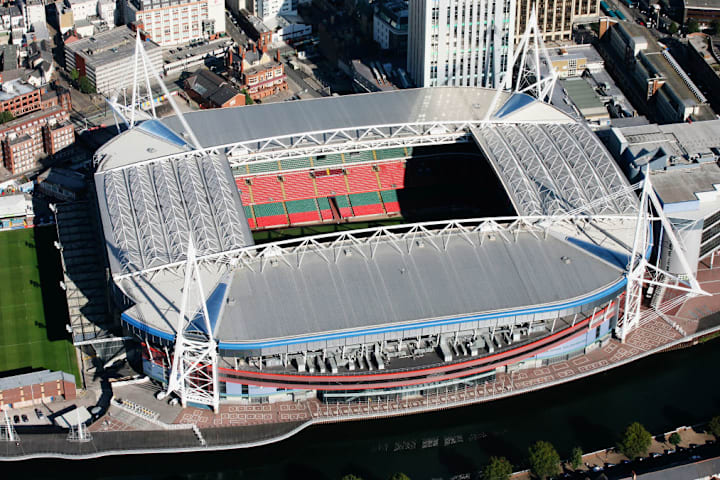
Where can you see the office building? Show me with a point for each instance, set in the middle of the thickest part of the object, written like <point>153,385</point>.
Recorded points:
<point>459,43</point>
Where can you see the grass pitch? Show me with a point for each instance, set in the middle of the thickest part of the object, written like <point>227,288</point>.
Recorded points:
<point>33,309</point>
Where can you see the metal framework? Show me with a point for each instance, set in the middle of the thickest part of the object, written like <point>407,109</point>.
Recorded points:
<point>641,273</point>
<point>552,168</point>
<point>7,430</point>
<point>79,433</point>
<point>536,75</point>
<point>194,375</point>
<point>404,237</point>
<point>154,208</point>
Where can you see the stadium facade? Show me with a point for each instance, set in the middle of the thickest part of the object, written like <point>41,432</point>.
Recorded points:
<point>380,312</point>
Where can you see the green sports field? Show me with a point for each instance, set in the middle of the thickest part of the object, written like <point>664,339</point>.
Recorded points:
<point>33,309</point>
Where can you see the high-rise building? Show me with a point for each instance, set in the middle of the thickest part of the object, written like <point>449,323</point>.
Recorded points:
<point>459,42</point>
<point>556,17</point>
<point>177,22</point>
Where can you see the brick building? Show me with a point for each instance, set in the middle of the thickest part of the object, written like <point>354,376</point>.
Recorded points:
<point>34,388</point>
<point>28,138</point>
<point>21,98</point>
<point>259,74</point>
<point>212,91</point>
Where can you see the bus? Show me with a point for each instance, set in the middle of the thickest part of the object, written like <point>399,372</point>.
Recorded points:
<point>620,15</point>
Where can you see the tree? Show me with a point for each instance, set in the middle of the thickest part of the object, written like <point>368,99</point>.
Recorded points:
<point>6,116</point>
<point>86,85</point>
<point>350,476</point>
<point>576,458</point>
<point>499,468</point>
<point>675,439</point>
<point>636,441</point>
<point>714,426</point>
<point>399,476</point>
<point>693,26</point>
<point>673,28</point>
<point>74,75</point>
<point>544,460</point>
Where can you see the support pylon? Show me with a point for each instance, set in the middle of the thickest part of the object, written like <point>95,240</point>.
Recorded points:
<point>194,374</point>
<point>7,430</point>
<point>536,75</point>
<point>640,272</point>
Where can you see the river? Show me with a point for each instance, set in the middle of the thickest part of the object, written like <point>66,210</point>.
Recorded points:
<point>662,392</point>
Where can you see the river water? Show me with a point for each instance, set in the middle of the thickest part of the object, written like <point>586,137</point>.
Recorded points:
<point>662,392</point>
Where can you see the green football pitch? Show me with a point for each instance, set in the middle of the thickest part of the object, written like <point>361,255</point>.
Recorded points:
<point>33,310</point>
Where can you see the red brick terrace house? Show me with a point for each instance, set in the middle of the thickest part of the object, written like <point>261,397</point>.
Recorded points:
<point>34,388</point>
<point>212,91</point>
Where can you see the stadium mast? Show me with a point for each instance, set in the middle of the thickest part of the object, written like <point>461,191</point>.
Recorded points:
<point>194,374</point>
<point>535,73</point>
<point>642,273</point>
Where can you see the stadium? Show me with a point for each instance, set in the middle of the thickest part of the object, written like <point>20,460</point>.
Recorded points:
<point>534,277</point>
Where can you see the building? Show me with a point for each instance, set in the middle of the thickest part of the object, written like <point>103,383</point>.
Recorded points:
<point>19,98</point>
<point>189,58</point>
<point>27,139</point>
<point>288,29</point>
<point>683,161</point>
<point>556,17</point>
<point>34,12</point>
<point>177,22</point>
<point>61,184</point>
<point>586,100</point>
<point>704,61</point>
<point>267,9</point>
<point>390,25</point>
<point>212,91</point>
<point>259,74</point>
<point>653,78</point>
<point>64,18</point>
<point>366,80</point>
<point>107,59</point>
<point>704,11</point>
<point>12,24</point>
<point>397,311</point>
<point>35,388</point>
<point>107,11</point>
<point>463,43</point>
<point>82,9</point>
<point>16,211</point>
<point>572,61</point>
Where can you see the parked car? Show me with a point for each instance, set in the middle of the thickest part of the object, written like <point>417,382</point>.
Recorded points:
<point>39,414</point>
<point>656,455</point>
<point>16,419</point>
<point>695,458</point>
<point>24,418</point>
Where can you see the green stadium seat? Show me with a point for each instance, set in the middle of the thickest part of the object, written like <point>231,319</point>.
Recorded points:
<point>264,166</point>
<point>295,163</point>
<point>364,156</point>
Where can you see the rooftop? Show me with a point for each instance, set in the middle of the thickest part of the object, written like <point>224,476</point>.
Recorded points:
<point>109,46</point>
<point>33,378</point>
<point>211,87</point>
<point>702,4</point>
<point>584,97</point>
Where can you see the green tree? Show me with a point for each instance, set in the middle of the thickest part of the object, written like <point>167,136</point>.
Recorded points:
<point>86,85</point>
<point>248,98</point>
<point>576,458</point>
<point>673,28</point>
<point>635,442</point>
<point>714,426</point>
<point>675,439</point>
<point>399,476</point>
<point>6,116</point>
<point>693,26</point>
<point>350,476</point>
<point>544,459</point>
<point>499,468</point>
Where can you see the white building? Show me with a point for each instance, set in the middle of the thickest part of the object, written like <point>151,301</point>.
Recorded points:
<point>82,9</point>
<point>106,9</point>
<point>459,42</point>
<point>34,12</point>
<point>288,29</point>
<point>267,9</point>
<point>177,22</point>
